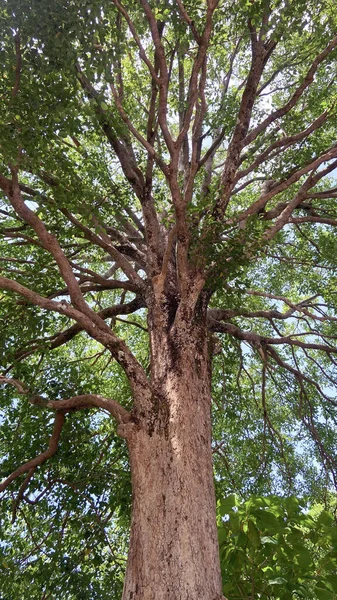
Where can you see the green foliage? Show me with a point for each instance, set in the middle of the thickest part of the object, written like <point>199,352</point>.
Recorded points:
<point>274,547</point>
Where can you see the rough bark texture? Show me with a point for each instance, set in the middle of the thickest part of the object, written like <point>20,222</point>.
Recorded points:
<point>174,548</point>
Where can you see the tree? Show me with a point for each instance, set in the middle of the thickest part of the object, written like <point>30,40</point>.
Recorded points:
<point>174,162</point>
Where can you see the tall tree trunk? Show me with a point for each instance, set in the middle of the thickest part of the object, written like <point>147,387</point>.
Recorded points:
<point>173,551</point>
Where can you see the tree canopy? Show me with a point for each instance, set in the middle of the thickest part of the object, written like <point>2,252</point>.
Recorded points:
<point>144,143</point>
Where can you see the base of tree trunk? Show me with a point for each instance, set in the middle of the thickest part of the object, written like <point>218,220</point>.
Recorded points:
<point>174,552</point>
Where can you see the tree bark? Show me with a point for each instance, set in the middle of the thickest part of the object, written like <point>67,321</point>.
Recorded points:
<point>173,551</point>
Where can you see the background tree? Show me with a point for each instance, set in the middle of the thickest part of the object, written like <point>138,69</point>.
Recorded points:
<point>168,210</point>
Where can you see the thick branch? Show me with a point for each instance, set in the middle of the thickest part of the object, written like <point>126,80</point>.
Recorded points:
<point>296,95</point>
<point>123,153</point>
<point>223,315</point>
<point>51,244</point>
<point>62,407</point>
<point>143,141</point>
<point>48,241</point>
<point>264,198</point>
<point>62,308</point>
<point>208,157</point>
<point>284,142</point>
<point>85,401</point>
<point>119,350</point>
<point>311,181</point>
<point>260,340</point>
<point>198,64</point>
<point>156,31</point>
<point>104,242</point>
<point>259,59</point>
<point>136,37</point>
<point>41,458</point>
<point>74,403</point>
<point>65,336</point>
<point>188,21</point>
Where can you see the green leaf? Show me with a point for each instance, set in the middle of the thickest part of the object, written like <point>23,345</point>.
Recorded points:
<point>303,557</point>
<point>267,521</point>
<point>277,581</point>
<point>227,504</point>
<point>265,539</point>
<point>253,534</point>
<point>323,594</point>
<point>325,518</point>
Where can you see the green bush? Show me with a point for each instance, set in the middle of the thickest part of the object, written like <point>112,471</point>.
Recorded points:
<point>277,549</point>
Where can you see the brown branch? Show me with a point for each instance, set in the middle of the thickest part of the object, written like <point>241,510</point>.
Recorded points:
<point>264,198</point>
<point>159,280</point>
<point>133,174</point>
<point>200,112</point>
<point>313,219</point>
<point>62,407</point>
<point>82,313</point>
<point>6,185</point>
<point>72,404</point>
<point>101,239</point>
<point>156,30</point>
<point>258,339</point>
<point>300,307</point>
<point>41,458</point>
<point>195,91</point>
<point>136,37</point>
<point>124,154</point>
<point>152,130</point>
<point>130,230</point>
<point>264,347</point>
<point>105,337</point>
<point>96,284</point>
<point>332,193</point>
<point>282,143</point>
<point>85,401</point>
<point>104,242</point>
<point>220,133</point>
<point>295,97</point>
<point>48,241</point>
<point>259,59</point>
<point>311,181</point>
<point>15,382</point>
<point>188,21</point>
<point>65,336</point>
<point>51,244</point>
<point>251,292</point>
<point>199,66</point>
<point>21,492</point>
<point>139,383</point>
<point>141,139</point>
<point>223,315</point>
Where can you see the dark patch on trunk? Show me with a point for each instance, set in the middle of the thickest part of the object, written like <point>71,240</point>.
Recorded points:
<point>175,356</point>
<point>172,304</point>
<point>201,307</point>
<point>158,419</point>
